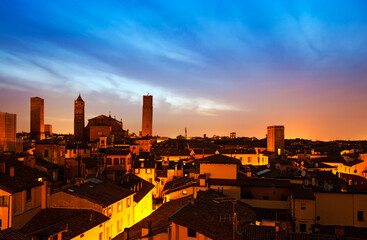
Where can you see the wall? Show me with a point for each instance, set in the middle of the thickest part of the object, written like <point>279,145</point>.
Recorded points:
<point>341,209</point>
<point>304,216</point>
<point>221,171</point>
<point>180,233</point>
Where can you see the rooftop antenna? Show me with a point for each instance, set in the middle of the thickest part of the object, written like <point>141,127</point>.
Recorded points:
<point>185,132</point>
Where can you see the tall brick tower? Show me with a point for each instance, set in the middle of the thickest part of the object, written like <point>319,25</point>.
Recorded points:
<point>79,118</point>
<point>147,125</point>
<point>275,139</point>
<point>37,119</point>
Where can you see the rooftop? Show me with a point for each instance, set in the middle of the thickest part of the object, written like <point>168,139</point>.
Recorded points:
<point>219,159</point>
<point>103,193</point>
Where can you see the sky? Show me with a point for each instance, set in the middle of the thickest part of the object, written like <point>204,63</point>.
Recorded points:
<point>213,67</point>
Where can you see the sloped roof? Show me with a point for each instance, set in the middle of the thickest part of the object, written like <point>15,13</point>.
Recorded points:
<point>209,215</point>
<point>24,177</point>
<point>158,219</point>
<point>77,221</point>
<point>103,193</point>
<point>219,159</point>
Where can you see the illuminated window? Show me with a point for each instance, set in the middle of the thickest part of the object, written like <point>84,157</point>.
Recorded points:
<point>148,170</point>
<point>119,207</point>
<point>279,151</point>
<point>100,236</point>
<point>108,161</point>
<point>184,192</point>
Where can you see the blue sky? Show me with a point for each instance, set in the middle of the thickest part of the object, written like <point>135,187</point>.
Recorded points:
<point>212,66</point>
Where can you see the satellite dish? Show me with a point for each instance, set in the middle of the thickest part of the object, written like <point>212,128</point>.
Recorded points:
<point>268,165</point>
<point>303,174</point>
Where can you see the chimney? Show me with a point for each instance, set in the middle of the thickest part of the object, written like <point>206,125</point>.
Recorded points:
<point>146,229</point>
<point>91,217</point>
<point>11,171</point>
<point>126,234</point>
<point>192,201</point>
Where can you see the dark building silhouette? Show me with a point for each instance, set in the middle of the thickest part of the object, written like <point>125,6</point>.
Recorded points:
<point>37,119</point>
<point>147,126</point>
<point>79,118</point>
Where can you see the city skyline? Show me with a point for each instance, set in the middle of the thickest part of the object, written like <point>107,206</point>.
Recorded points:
<point>212,69</point>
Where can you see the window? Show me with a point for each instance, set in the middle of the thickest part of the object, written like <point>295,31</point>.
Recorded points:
<point>29,195</point>
<point>249,159</point>
<point>128,202</point>
<point>0,224</point>
<point>191,232</point>
<point>74,151</point>
<point>258,159</point>
<point>118,226</point>
<point>116,161</point>
<point>46,153</point>
<point>302,227</point>
<point>100,236</point>
<point>303,206</point>
<point>3,201</point>
<point>108,161</point>
<point>137,171</point>
<point>122,161</point>
<point>148,170</point>
<point>360,216</point>
<point>150,180</point>
<point>118,207</point>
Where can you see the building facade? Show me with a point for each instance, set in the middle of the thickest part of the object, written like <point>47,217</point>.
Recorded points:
<point>37,119</point>
<point>79,118</point>
<point>147,126</point>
